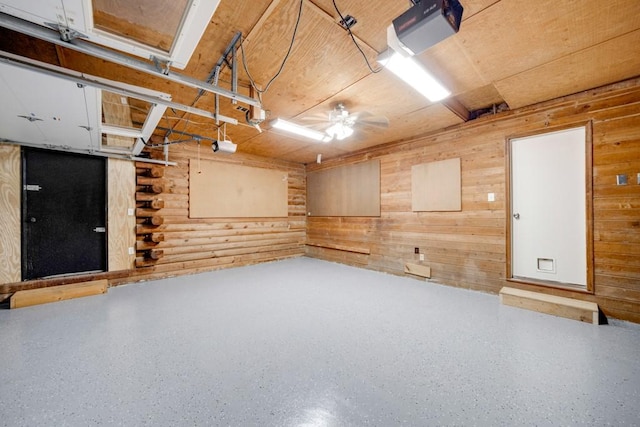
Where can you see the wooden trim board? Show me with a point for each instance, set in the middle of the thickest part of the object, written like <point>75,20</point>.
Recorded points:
<point>57,293</point>
<point>356,249</point>
<point>418,270</point>
<point>569,308</point>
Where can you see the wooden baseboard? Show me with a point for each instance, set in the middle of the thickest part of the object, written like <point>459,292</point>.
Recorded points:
<point>569,308</point>
<point>350,248</point>
<point>57,293</point>
<point>417,270</point>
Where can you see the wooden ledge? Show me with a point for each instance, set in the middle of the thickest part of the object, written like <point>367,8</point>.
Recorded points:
<point>356,249</point>
<point>569,308</point>
<point>57,293</point>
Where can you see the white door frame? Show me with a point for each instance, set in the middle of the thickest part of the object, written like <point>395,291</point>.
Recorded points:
<point>588,208</point>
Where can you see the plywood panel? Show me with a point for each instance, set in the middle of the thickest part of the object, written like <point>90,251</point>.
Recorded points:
<point>350,190</point>
<point>10,213</point>
<point>117,111</point>
<point>496,50</point>
<point>121,197</point>
<point>226,190</point>
<point>435,186</point>
<point>614,60</point>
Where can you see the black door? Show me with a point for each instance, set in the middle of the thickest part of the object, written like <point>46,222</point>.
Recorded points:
<point>63,213</point>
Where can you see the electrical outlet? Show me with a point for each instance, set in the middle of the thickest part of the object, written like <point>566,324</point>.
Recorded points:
<point>132,251</point>
<point>416,250</point>
<point>491,197</point>
<point>421,257</point>
<point>638,178</point>
<point>130,211</point>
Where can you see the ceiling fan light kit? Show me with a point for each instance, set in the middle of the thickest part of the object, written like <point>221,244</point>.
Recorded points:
<point>339,131</point>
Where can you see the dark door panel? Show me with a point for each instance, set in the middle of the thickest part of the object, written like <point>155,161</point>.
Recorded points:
<point>64,215</point>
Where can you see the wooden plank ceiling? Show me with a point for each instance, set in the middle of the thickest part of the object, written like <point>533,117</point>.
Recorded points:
<point>515,53</point>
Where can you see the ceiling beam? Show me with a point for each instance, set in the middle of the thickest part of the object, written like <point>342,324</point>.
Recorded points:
<point>457,108</point>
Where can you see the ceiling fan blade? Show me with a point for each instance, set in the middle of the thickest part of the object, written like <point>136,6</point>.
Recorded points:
<point>379,121</point>
<point>318,126</point>
<point>320,117</point>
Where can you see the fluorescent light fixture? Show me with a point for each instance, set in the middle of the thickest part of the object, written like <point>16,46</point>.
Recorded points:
<point>414,75</point>
<point>300,130</point>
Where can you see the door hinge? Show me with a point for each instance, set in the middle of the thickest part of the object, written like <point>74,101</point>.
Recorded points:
<point>100,229</point>
<point>31,187</point>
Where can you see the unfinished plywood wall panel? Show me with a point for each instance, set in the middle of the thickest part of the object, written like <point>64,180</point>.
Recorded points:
<point>121,225</point>
<point>193,245</point>
<point>227,190</point>
<point>468,248</point>
<point>348,190</point>
<point>435,186</point>
<point>10,213</point>
<point>116,111</point>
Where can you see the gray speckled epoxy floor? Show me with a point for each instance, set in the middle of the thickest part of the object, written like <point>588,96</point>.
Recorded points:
<point>304,342</point>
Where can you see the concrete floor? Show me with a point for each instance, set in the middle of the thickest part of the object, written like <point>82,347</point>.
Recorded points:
<point>304,342</point>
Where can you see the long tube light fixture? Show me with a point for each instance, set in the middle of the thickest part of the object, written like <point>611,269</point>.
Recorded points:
<point>412,73</point>
<point>300,130</point>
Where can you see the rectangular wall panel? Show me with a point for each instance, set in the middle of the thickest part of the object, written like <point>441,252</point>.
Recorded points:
<point>351,190</point>
<point>227,190</point>
<point>435,186</point>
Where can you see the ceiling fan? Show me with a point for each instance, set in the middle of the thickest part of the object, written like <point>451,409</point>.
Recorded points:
<point>339,123</point>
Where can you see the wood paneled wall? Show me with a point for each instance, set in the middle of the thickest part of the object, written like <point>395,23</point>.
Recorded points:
<point>468,249</point>
<point>121,225</point>
<point>182,245</point>
<point>10,262</point>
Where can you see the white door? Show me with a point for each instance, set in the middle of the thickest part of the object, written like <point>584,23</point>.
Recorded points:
<point>548,207</point>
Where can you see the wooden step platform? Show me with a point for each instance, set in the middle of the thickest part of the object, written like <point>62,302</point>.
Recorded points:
<point>57,293</point>
<point>550,304</point>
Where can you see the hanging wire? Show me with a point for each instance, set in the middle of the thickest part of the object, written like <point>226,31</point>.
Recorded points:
<point>284,61</point>
<point>199,168</point>
<point>355,41</point>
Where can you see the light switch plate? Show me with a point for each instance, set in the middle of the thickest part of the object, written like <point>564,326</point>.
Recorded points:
<point>132,251</point>
<point>421,257</point>
<point>130,211</point>
<point>491,197</point>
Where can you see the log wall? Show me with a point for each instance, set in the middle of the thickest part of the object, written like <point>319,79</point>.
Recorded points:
<point>169,243</point>
<point>468,249</point>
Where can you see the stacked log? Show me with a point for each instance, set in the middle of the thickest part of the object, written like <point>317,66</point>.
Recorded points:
<point>149,202</point>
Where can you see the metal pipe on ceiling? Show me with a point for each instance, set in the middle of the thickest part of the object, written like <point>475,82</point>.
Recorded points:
<point>104,84</point>
<point>111,154</point>
<point>83,46</point>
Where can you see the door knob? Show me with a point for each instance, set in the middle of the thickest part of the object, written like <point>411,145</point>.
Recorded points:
<point>32,219</point>
<point>516,215</point>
